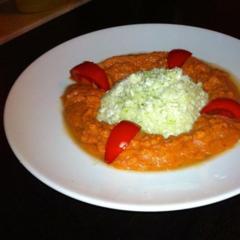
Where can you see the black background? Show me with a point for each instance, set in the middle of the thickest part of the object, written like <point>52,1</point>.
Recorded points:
<point>31,209</point>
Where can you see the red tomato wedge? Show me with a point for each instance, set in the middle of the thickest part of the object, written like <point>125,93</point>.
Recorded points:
<point>92,72</point>
<point>223,106</point>
<point>119,138</point>
<point>177,57</point>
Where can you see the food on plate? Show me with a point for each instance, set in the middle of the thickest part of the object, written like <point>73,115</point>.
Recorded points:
<point>152,111</point>
<point>119,138</point>
<point>177,57</point>
<point>223,106</point>
<point>162,101</point>
<point>92,72</point>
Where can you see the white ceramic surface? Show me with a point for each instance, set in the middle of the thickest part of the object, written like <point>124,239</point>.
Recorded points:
<point>35,130</point>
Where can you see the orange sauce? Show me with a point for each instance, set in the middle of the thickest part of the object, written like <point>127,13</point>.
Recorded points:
<point>209,136</point>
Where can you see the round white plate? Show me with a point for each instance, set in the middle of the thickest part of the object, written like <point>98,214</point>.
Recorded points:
<point>35,130</point>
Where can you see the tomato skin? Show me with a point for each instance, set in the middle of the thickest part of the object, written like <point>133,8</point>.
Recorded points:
<point>223,106</point>
<point>92,72</point>
<point>177,57</point>
<point>119,138</point>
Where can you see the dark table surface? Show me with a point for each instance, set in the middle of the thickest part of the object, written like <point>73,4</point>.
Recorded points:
<point>29,208</point>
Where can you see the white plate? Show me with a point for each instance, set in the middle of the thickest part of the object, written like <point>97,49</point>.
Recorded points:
<point>35,130</point>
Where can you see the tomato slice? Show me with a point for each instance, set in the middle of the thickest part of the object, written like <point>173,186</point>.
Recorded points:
<point>223,106</point>
<point>177,57</point>
<point>119,138</point>
<point>92,72</point>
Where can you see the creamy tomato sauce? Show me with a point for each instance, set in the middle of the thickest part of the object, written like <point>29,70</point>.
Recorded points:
<point>209,136</point>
